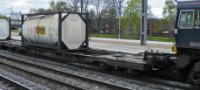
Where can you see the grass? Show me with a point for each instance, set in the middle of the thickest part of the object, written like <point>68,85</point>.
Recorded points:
<point>162,39</point>
<point>104,35</point>
<point>14,31</point>
<point>151,38</point>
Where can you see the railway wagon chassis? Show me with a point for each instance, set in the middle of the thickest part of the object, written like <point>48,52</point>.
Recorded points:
<point>184,65</point>
<point>151,63</point>
<point>100,57</point>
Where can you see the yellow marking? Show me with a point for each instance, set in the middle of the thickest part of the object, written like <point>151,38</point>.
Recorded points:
<point>174,49</point>
<point>40,30</point>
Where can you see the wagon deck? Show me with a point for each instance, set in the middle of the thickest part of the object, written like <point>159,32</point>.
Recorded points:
<point>115,59</point>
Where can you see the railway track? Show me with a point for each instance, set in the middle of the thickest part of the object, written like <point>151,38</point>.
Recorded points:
<point>11,82</point>
<point>58,74</point>
<point>6,84</point>
<point>75,77</point>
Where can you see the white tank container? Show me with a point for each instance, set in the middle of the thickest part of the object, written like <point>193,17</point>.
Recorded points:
<point>4,29</point>
<point>44,30</point>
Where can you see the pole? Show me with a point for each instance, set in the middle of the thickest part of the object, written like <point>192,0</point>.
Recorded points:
<point>59,31</point>
<point>81,6</point>
<point>120,14</point>
<point>11,9</point>
<point>143,33</point>
<point>119,27</point>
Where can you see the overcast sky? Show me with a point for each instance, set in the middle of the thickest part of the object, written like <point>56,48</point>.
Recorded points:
<point>26,5</point>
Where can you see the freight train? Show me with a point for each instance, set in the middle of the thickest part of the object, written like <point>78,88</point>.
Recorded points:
<point>65,35</point>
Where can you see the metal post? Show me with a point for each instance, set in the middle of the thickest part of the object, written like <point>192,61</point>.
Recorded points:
<point>59,31</point>
<point>9,19</point>
<point>143,33</point>
<point>81,6</point>
<point>11,8</point>
<point>120,12</point>
<point>22,22</point>
<point>87,30</point>
<point>119,27</point>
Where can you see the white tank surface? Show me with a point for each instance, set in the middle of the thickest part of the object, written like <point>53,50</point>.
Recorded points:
<point>73,31</point>
<point>4,29</point>
<point>43,30</point>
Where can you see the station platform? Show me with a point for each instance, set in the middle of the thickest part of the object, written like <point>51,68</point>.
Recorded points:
<point>129,46</point>
<point>122,45</point>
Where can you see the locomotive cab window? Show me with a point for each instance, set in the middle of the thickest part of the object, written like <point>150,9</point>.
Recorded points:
<point>197,19</point>
<point>186,19</point>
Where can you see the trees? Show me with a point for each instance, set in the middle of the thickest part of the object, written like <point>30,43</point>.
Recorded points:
<point>110,21</point>
<point>169,12</point>
<point>119,6</point>
<point>105,15</point>
<point>92,17</point>
<point>99,7</point>
<point>75,5</point>
<point>131,18</point>
<point>2,16</point>
<point>86,3</point>
<point>169,9</point>
<point>39,10</point>
<point>59,6</point>
<point>167,22</point>
<point>112,11</point>
<point>53,7</point>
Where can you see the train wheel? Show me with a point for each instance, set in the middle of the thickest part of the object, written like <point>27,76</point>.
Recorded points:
<point>133,72</point>
<point>183,61</point>
<point>194,77</point>
<point>105,66</point>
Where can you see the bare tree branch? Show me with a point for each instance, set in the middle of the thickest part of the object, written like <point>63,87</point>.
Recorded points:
<point>76,5</point>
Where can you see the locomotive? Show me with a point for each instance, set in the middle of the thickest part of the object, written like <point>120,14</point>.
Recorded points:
<point>187,31</point>
<point>185,64</point>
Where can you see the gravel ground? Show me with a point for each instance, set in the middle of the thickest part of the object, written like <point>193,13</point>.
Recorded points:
<point>132,84</point>
<point>6,85</point>
<point>20,83</point>
<point>62,77</point>
<point>42,81</point>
